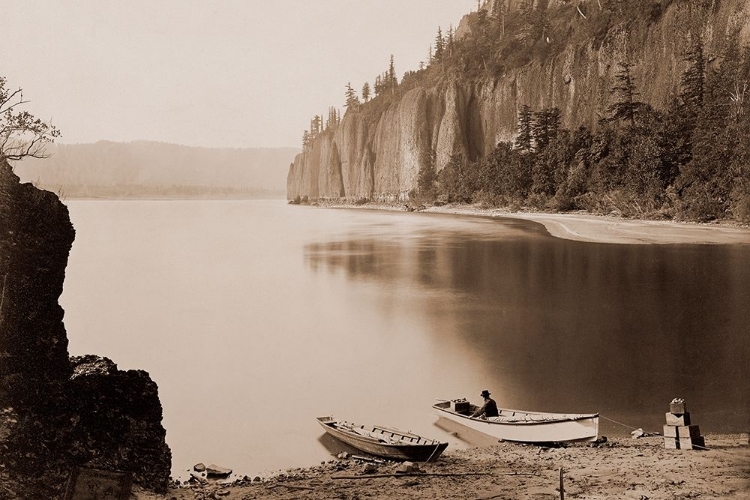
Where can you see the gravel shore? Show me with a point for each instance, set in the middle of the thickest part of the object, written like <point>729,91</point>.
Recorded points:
<point>619,468</point>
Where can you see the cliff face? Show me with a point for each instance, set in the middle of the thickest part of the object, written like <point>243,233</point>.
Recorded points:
<point>56,412</point>
<point>380,157</point>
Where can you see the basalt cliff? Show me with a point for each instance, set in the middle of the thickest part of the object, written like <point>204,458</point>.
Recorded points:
<point>58,412</point>
<point>377,150</point>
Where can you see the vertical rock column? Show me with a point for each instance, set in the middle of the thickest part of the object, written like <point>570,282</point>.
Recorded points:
<point>35,239</point>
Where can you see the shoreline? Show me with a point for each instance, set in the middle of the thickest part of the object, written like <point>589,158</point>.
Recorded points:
<point>587,227</point>
<point>617,468</point>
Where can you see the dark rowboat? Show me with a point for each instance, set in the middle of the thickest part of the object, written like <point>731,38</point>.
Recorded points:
<point>384,442</point>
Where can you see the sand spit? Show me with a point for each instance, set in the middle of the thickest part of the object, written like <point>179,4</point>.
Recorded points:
<point>581,226</point>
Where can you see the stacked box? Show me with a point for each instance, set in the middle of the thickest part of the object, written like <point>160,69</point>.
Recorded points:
<point>461,406</point>
<point>678,420</point>
<point>679,433</point>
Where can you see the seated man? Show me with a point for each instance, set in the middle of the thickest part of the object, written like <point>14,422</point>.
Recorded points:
<point>488,409</point>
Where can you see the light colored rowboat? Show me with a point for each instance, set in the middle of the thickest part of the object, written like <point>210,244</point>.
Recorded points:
<point>522,426</point>
<point>383,441</point>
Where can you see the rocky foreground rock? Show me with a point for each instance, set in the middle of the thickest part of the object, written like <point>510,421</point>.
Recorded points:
<point>57,412</point>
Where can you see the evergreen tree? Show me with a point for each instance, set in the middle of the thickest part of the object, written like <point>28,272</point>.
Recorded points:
<point>626,105</point>
<point>427,176</point>
<point>545,126</point>
<point>316,126</point>
<point>378,86</point>
<point>352,101</point>
<point>525,133</point>
<point>450,42</point>
<point>693,81</point>
<point>366,92</point>
<point>333,119</point>
<point>392,78</point>
<point>439,45</point>
<point>305,139</point>
<point>456,179</point>
<point>705,184</point>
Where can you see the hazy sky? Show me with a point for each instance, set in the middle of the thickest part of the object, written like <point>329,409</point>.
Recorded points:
<point>207,73</point>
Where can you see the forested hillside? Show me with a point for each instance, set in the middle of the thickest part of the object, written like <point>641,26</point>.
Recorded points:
<point>633,107</point>
<point>155,169</point>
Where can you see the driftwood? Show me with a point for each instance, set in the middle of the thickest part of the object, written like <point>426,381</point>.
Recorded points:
<point>444,474</point>
<point>367,459</point>
<point>290,486</point>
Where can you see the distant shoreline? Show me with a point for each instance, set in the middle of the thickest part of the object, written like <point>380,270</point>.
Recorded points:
<point>596,228</point>
<point>207,197</point>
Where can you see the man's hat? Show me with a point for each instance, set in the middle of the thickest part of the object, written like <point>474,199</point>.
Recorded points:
<point>485,393</point>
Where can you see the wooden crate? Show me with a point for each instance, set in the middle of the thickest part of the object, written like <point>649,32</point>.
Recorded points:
<point>678,420</point>
<point>677,408</point>
<point>688,431</point>
<point>691,443</point>
<point>670,431</point>
<point>671,443</point>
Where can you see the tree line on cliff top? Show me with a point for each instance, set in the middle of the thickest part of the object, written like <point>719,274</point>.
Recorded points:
<point>690,160</point>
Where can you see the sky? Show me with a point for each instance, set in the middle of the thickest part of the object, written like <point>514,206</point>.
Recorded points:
<point>207,73</point>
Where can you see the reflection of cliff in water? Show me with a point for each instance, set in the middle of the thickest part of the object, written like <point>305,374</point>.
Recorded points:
<point>575,327</point>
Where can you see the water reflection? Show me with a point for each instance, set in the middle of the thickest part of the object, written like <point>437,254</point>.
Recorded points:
<point>573,327</point>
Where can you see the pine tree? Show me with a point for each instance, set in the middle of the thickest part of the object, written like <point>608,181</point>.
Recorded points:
<point>332,118</point>
<point>693,81</point>
<point>351,97</point>
<point>439,45</point>
<point>316,126</point>
<point>525,133</point>
<point>392,79</point>
<point>366,92</point>
<point>378,86</point>
<point>449,43</point>
<point>626,105</point>
<point>545,125</point>
<point>427,176</point>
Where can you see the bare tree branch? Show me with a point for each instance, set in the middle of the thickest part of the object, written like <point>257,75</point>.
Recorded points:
<point>22,135</point>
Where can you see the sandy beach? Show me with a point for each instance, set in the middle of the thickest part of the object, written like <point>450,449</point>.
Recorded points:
<point>596,228</point>
<point>619,468</point>
<point>605,229</point>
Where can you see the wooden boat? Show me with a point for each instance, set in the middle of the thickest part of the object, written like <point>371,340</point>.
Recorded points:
<point>384,442</point>
<point>522,426</point>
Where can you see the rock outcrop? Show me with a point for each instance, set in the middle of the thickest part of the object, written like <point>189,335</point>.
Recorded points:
<point>377,153</point>
<point>58,412</point>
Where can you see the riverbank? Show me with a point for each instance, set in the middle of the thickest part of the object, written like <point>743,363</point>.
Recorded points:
<point>595,228</point>
<point>619,468</point>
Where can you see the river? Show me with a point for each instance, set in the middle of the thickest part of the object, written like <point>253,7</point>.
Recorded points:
<point>255,317</point>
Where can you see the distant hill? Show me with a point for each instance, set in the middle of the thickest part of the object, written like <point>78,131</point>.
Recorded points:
<point>156,169</point>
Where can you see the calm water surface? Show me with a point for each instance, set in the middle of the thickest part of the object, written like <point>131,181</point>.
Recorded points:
<point>255,317</point>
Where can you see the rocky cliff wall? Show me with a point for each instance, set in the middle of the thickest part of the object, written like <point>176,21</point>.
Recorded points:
<point>379,157</point>
<point>56,412</point>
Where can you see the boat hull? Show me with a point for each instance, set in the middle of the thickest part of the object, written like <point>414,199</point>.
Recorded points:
<point>419,450</point>
<point>528,427</point>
